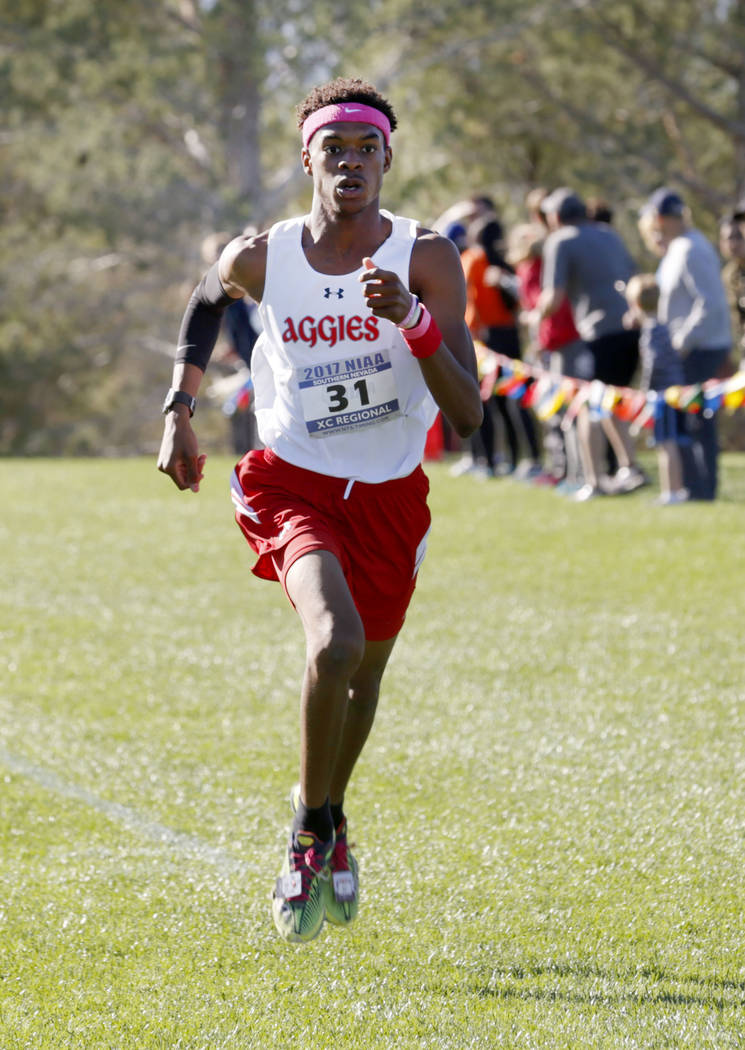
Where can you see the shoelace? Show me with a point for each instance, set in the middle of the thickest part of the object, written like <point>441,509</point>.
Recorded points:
<point>310,862</point>
<point>339,858</point>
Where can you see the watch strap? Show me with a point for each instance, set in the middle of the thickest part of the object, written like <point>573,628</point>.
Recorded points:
<point>179,397</point>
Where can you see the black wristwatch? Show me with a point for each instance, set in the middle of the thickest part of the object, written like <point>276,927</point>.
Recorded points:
<point>179,397</point>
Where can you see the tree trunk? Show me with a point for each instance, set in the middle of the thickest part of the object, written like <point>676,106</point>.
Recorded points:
<point>239,63</point>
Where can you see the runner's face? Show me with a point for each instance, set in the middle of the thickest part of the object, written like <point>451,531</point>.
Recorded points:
<point>347,162</point>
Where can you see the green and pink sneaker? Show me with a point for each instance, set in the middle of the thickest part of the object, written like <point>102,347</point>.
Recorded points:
<point>298,904</point>
<point>341,891</point>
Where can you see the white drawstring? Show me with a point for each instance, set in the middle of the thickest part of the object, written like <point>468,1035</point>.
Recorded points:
<point>348,489</point>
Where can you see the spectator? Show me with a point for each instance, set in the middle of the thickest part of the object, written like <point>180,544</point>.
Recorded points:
<point>458,234</point>
<point>661,368</point>
<point>453,224</point>
<point>491,315</point>
<point>600,210</point>
<point>557,331</point>
<point>455,231</point>
<point>585,261</point>
<point>534,206</point>
<point>693,304</point>
<point>650,235</point>
<point>732,248</point>
<point>456,219</point>
<point>561,349</point>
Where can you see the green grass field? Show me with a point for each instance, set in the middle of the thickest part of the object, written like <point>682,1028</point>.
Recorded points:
<point>549,816</point>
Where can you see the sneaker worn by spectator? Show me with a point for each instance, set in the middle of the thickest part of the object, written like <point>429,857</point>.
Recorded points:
<point>629,479</point>
<point>667,499</point>
<point>465,465</point>
<point>568,488</point>
<point>587,492</point>
<point>527,471</point>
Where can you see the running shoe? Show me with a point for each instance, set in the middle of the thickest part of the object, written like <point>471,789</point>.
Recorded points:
<point>298,900</point>
<point>342,889</point>
<point>668,499</point>
<point>629,479</point>
<point>582,495</point>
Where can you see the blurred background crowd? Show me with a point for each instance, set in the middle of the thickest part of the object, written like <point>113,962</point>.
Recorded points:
<point>561,290</point>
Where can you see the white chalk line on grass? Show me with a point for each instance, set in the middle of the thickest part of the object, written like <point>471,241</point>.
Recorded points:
<point>137,823</point>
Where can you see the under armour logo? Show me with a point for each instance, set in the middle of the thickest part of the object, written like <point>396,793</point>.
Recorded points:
<point>328,292</point>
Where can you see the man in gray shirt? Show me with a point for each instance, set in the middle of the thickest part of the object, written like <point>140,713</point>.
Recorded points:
<point>588,263</point>
<point>693,304</point>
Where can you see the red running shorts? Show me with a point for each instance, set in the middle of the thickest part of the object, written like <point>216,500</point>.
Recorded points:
<point>378,532</point>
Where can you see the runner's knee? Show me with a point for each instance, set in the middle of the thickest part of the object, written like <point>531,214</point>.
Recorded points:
<point>338,651</point>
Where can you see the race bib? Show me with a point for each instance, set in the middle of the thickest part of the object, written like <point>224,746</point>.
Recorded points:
<point>348,394</point>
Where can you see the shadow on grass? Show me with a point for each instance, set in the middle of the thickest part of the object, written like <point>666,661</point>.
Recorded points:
<point>664,987</point>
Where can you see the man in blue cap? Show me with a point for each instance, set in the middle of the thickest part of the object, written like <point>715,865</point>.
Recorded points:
<point>693,304</point>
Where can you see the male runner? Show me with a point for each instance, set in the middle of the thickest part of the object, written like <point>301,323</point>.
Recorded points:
<point>363,340</point>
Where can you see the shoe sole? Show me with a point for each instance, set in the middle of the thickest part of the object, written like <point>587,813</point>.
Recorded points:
<point>292,936</point>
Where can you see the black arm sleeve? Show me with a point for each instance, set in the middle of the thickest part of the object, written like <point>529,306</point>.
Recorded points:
<point>200,325</point>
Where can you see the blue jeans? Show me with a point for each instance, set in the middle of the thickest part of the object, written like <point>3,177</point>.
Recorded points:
<point>700,456</point>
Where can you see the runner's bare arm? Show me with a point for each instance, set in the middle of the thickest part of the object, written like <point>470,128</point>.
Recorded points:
<point>242,266</point>
<point>240,271</point>
<point>436,277</point>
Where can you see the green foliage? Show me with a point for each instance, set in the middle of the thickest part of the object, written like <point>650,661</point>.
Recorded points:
<point>548,814</point>
<point>97,105</point>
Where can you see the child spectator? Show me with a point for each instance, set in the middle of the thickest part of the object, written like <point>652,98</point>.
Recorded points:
<point>661,368</point>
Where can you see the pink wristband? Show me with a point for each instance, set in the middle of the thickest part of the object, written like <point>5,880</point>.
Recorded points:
<point>425,339</point>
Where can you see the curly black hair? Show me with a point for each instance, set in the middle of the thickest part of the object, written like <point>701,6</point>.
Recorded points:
<point>344,89</point>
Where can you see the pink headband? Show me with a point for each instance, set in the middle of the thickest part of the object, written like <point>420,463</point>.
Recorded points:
<point>346,111</point>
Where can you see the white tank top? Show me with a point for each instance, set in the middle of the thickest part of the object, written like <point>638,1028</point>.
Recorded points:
<point>337,390</point>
